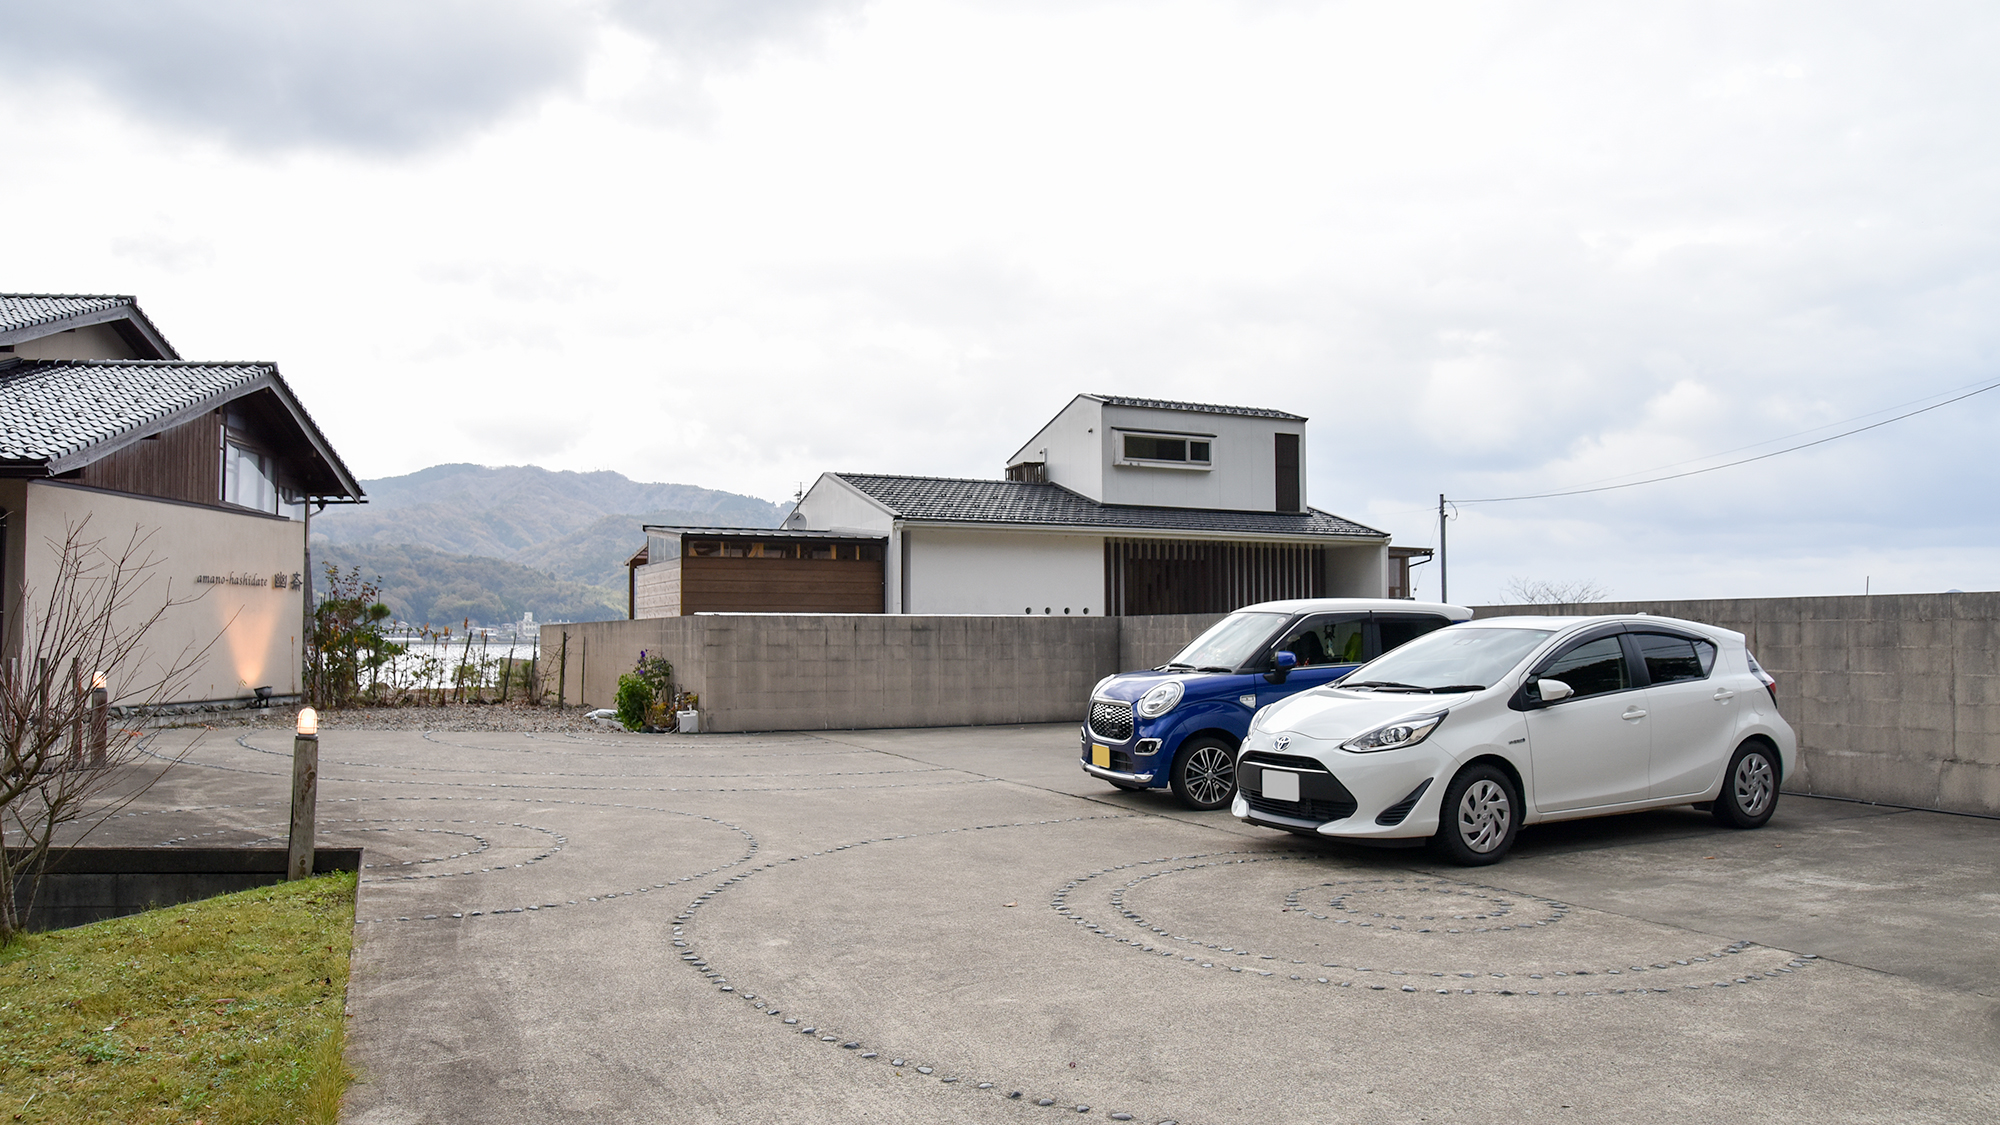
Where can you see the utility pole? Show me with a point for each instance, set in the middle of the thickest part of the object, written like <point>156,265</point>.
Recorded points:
<point>1444,582</point>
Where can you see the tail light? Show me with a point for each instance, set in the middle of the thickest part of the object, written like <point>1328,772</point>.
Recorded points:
<point>1770,684</point>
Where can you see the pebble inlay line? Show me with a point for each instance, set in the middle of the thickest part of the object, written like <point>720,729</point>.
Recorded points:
<point>1162,942</point>
<point>818,1033</point>
<point>243,741</point>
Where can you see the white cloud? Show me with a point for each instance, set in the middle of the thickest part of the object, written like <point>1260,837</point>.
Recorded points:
<point>1490,249</point>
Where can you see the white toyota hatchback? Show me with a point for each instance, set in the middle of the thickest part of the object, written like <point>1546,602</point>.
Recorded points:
<point>1463,735</point>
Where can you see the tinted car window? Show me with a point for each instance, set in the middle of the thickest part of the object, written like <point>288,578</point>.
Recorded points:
<point>1670,658</point>
<point>1592,668</point>
<point>1399,629</point>
<point>1325,640</point>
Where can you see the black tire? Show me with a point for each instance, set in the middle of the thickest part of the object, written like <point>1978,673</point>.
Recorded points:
<point>1749,787</point>
<point>1204,774</point>
<point>1479,818</point>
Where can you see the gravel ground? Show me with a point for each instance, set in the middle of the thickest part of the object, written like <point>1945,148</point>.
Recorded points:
<point>455,716</point>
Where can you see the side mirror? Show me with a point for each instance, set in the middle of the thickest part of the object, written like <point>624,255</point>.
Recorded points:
<point>1551,691</point>
<point>1282,663</point>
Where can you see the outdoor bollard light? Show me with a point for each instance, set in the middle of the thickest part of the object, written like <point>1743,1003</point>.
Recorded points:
<point>305,794</point>
<point>100,720</point>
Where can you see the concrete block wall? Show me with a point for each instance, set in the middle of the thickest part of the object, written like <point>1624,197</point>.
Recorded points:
<point>758,671</point>
<point>1895,697</point>
<point>1148,642</point>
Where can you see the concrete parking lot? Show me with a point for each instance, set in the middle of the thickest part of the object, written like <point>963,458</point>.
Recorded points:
<point>957,924</point>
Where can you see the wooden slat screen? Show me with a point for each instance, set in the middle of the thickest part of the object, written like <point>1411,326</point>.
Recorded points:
<point>1152,576</point>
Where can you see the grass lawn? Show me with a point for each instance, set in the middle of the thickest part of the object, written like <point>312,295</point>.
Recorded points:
<point>227,1010</point>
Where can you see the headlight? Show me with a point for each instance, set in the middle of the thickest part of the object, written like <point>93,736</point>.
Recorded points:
<point>1396,735</point>
<point>1160,700</point>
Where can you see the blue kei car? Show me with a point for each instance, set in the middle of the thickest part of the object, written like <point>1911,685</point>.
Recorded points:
<point>1180,724</point>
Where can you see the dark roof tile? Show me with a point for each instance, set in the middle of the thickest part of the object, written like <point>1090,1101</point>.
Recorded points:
<point>1197,407</point>
<point>25,310</point>
<point>946,499</point>
<point>52,408</point>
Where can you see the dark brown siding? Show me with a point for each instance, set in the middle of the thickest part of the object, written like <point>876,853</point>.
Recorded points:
<point>184,463</point>
<point>1153,576</point>
<point>727,585</point>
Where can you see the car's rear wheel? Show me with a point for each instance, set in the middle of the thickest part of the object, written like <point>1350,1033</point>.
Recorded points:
<point>1749,788</point>
<point>1204,775</point>
<point>1479,818</point>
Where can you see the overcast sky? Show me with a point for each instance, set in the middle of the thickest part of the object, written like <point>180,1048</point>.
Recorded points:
<point>1489,248</point>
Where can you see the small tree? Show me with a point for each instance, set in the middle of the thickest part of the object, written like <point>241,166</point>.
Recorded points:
<point>1535,591</point>
<point>347,641</point>
<point>64,767</point>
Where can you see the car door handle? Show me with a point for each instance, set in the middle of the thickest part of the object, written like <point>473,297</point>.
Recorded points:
<point>1723,695</point>
<point>1633,715</point>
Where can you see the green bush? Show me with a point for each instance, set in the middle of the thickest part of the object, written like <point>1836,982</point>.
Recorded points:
<point>635,698</point>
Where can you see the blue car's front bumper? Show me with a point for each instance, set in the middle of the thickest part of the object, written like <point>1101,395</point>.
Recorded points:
<point>1128,761</point>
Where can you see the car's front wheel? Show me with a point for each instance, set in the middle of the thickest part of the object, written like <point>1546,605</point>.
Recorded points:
<point>1479,818</point>
<point>1204,775</point>
<point>1749,789</point>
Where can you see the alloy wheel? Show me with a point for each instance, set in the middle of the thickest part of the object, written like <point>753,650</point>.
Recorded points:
<point>1754,784</point>
<point>1210,774</point>
<point>1484,814</point>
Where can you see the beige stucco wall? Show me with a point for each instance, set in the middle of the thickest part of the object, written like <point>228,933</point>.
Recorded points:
<point>93,341</point>
<point>246,635</point>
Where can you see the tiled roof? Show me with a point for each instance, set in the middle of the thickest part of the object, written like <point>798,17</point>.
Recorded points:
<point>52,408</point>
<point>1197,407</point>
<point>25,310</point>
<point>944,499</point>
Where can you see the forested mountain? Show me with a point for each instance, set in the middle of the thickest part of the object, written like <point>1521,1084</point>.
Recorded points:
<point>457,541</point>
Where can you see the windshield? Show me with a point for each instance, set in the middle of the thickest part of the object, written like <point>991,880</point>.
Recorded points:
<point>1231,642</point>
<point>1464,659</point>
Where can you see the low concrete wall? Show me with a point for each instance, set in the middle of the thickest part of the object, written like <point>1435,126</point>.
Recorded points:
<point>1896,698</point>
<point>1148,642</point>
<point>85,885</point>
<point>758,671</point>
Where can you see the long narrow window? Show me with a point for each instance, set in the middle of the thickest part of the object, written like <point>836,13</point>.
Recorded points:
<point>1288,473</point>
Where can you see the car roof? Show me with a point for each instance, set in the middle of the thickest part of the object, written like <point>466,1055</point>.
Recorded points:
<point>1565,624</point>
<point>1358,605</point>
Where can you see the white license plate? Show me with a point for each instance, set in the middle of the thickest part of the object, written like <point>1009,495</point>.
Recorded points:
<point>1281,786</point>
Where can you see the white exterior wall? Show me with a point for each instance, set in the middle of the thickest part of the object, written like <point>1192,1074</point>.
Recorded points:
<point>955,571</point>
<point>1243,458</point>
<point>1072,445</point>
<point>1360,571</point>
<point>251,631</point>
<point>832,505</point>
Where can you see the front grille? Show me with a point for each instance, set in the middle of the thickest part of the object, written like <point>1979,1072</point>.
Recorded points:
<point>1111,722</point>
<point>1283,761</point>
<point>1313,809</point>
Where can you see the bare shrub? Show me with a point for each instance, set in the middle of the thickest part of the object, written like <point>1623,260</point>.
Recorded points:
<point>65,766</point>
<point>1536,591</point>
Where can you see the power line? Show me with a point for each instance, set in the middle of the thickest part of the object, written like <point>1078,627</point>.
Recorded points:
<point>1743,461</point>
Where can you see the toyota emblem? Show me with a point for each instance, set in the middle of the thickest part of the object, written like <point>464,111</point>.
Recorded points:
<point>1282,741</point>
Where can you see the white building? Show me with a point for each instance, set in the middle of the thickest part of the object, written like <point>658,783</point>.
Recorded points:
<point>1117,506</point>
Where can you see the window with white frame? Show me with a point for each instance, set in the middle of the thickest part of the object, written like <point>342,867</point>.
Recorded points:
<point>1184,451</point>
<point>249,478</point>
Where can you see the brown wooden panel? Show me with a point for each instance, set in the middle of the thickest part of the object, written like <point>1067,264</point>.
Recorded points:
<point>726,585</point>
<point>183,463</point>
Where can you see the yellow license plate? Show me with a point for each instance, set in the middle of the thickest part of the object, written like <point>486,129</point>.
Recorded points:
<point>1100,756</point>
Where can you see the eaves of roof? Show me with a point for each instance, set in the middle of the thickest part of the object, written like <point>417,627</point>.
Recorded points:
<point>57,416</point>
<point>31,316</point>
<point>1196,407</point>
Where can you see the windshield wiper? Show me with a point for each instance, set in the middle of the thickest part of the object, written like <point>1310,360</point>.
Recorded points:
<point>1214,668</point>
<point>1391,684</point>
<point>1453,687</point>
